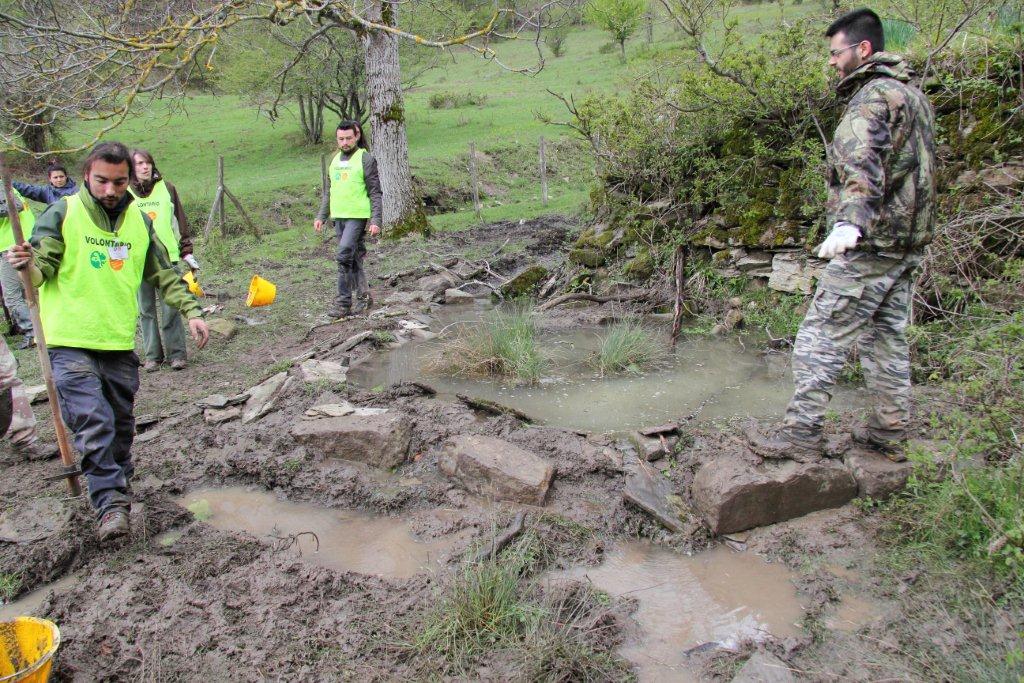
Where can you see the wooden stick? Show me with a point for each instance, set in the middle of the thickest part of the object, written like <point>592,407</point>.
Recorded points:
<point>218,199</point>
<point>543,172</point>
<point>583,296</point>
<point>31,297</point>
<point>498,544</point>
<point>238,205</point>
<point>677,313</point>
<point>221,189</point>
<point>473,179</point>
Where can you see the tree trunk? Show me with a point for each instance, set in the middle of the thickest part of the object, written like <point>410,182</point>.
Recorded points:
<point>402,213</point>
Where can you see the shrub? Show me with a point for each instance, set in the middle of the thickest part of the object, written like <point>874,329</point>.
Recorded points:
<point>555,37</point>
<point>449,99</point>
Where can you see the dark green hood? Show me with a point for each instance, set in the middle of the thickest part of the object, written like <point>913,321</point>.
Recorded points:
<point>879,64</point>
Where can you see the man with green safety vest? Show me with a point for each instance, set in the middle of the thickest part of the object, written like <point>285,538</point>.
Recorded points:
<point>158,199</point>
<point>353,201</point>
<point>89,254</point>
<point>14,297</point>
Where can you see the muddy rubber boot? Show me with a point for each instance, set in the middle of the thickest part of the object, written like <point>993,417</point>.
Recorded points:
<point>339,311</point>
<point>777,443</point>
<point>113,524</point>
<point>890,448</point>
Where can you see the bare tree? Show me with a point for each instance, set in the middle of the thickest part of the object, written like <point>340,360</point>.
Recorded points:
<point>94,60</point>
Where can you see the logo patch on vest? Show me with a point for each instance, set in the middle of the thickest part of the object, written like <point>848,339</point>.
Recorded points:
<point>97,259</point>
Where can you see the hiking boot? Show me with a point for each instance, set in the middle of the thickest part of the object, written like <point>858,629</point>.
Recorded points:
<point>37,450</point>
<point>890,448</point>
<point>778,443</point>
<point>363,303</point>
<point>179,364</point>
<point>151,366</point>
<point>339,311</point>
<point>113,524</point>
<point>27,342</point>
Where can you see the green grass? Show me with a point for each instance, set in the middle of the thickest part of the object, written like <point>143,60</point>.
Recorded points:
<point>10,584</point>
<point>277,176</point>
<point>503,344</point>
<point>898,34</point>
<point>628,347</point>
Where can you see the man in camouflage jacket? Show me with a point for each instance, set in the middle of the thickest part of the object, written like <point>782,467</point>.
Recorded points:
<point>881,203</point>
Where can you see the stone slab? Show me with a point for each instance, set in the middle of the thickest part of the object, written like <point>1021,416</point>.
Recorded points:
<point>877,476</point>
<point>263,396</point>
<point>314,370</point>
<point>763,667</point>
<point>733,494</point>
<point>496,468</point>
<point>380,440</point>
<point>653,493</point>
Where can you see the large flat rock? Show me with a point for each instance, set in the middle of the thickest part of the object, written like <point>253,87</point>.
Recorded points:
<point>764,667</point>
<point>379,440</point>
<point>877,476</point>
<point>733,494</point>
<point>496,468</point>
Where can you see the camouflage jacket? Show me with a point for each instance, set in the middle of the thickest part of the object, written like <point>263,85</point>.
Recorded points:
<point>881,164</point>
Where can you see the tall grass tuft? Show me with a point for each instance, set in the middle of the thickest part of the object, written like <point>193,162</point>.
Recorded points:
<point>898,34</point>
<point>503,344</point>
<point>628,347</point>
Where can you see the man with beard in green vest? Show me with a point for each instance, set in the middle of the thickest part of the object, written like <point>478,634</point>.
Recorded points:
<point>353,201</point>
<point>89,254</point>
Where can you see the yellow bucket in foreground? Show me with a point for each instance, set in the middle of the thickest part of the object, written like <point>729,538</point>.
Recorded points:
<point>27,646</point>
<point>261,292</point>
<point>193,285</point>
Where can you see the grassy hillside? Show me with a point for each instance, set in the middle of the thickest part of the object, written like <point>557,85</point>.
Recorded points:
<point>269,166</point>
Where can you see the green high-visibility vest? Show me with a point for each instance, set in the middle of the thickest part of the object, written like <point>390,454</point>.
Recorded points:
<point>28,220</point>
<point>160,208</point>
<point>348,187</point>
<point>92,302</point>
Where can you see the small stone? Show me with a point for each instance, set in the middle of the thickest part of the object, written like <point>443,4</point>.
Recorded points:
<point>314,370</point>
<point>217,416</point>
<point>408,298</point>
<point>263,396</point>
<point>36,394</point>
<point>422,335</point>
<point>330,410</point>
<point>788,273</point>
<point>650,448</point>
<point>763,667</point>
<point>457,296</point>
<point>877,476</point>
<point>224,328</point>
<point>651,492</point>
<point>495,468</point>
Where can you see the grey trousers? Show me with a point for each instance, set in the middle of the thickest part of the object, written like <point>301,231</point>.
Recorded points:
<point>169,326</point>
<point>14,295</point>
<point>351,251</point>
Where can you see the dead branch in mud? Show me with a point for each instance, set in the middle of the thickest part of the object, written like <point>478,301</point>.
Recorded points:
<point>500,542</point>
<point>493,408</point>
<point>583,296</point>
<point>283,543</point>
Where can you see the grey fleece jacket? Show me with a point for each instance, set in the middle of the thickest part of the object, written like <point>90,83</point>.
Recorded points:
<point>372,180</point>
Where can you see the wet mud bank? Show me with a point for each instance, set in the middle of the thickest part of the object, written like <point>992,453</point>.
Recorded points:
<point>311,524</point>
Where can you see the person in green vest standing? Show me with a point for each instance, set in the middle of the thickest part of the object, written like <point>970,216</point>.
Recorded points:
<point>158,199</point>
<point>14,297</point>
<point>353,201</point>
<point>88,255</point>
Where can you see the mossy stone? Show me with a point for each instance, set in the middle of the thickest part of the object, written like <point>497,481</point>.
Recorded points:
<point>589,257</point>
<point>524,282</point>
<point>640,267</point>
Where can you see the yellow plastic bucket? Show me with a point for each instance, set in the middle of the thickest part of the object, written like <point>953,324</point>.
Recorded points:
<point>261,292</point>
<point>27,646</point>
<point>193,285</point>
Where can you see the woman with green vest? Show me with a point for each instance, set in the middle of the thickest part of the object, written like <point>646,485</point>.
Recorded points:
<point>353,201</point>
<point>89,254</point>
<point>14,296</point>
<point>158,199</point>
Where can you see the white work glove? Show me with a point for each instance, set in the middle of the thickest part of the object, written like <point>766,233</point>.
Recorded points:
<point>191,261</point>
<point>843,236</point>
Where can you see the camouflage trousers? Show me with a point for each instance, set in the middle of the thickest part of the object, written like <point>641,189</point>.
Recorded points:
<point>23,423</point>
<point>862,298</point>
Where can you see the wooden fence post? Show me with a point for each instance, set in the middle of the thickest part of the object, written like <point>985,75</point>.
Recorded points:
<point>473,179</point>
<point>543,171</point>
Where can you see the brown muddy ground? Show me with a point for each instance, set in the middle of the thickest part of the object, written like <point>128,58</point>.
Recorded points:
<point>225,605</point>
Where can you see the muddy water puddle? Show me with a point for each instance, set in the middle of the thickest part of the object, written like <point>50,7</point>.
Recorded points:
<point>728,378</point>
<point>348,540</point>
<point>29,604</point>
<point>719,596</point>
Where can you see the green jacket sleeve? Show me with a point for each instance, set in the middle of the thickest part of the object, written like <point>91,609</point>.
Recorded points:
<point>48,241</point>
<point>159,272</point>
<point>862,143</point>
